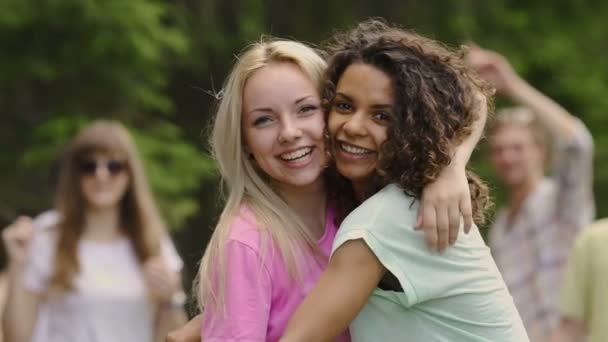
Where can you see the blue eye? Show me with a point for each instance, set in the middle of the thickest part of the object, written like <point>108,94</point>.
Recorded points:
<point>261,121</point>
<point>308,109</point>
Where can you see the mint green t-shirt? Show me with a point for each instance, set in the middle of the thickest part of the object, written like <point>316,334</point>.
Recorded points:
<point>457,296</point>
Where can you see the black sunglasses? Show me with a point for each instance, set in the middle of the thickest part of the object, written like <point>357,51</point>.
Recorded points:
<point>114,167</point>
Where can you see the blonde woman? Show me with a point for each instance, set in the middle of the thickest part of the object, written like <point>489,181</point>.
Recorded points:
<point>100,267</point>
<point>275,233</point>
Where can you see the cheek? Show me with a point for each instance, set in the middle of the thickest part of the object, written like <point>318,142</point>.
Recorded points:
<point>254,140</point>
<point>382,134</point>
<point>333,123</point>
<point>318,128</point>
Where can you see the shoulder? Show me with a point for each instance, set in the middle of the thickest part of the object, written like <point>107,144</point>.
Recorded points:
<point>245,229</point>
<point>390,204</point>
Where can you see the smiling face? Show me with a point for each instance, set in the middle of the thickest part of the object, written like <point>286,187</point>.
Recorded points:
<point>104,179</point>
<point>361,112</point>
<point>283,124</point>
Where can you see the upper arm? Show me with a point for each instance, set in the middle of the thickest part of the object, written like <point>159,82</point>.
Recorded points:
<point>573,168</point>
<point>246,298</point>
<point>342,291</point>
<point>20,312</point>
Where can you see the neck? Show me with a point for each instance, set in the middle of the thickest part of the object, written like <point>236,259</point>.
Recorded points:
<point>309,203</point>
<point>362,189</point>
<point>102,224</point>
<point>520,192</point>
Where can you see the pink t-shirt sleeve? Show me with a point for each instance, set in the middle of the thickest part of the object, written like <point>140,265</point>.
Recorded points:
<point>247,298</point>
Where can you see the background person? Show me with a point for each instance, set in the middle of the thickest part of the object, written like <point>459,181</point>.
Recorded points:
<point>100,266</point>
<point>584,300</point>
<point>532,235</point>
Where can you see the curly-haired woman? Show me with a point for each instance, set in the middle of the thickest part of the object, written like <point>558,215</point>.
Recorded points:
<point>398,106</point>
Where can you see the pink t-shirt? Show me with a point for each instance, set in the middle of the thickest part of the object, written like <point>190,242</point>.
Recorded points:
<point>260,298</point>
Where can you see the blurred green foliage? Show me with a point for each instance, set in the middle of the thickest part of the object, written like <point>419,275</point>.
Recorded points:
<point>65,62</point>
<point>155,65</point>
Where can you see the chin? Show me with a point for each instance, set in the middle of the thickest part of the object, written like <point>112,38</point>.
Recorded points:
<point>103,203</point>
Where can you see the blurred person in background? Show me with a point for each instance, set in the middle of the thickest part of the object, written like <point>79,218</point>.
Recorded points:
<point>533,234</point>
<point>100,266</point>
<point>584,300</point>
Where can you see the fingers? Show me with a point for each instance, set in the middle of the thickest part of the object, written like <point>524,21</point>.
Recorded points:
<point>418,224</point>
<point>454,222</point>
<point>467,212</point>
<point>18,236</point>
<point>443,226</point>
<point>429,225</point>
<point>190,332</point>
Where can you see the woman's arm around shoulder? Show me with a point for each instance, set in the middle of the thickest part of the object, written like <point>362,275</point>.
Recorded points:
<point>344,288</point>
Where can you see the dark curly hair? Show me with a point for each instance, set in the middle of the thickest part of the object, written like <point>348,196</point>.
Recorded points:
<point>437,102</point>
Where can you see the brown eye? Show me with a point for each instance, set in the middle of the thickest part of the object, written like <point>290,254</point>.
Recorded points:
<point>382,116</point>
<point>343,106</point>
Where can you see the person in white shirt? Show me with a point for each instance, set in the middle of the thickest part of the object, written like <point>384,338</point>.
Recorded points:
<point>100,266</point>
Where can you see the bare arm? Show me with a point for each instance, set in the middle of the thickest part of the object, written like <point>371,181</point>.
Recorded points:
<point>168,318</point>
<point>164,288</point>
<point>344,288</point>
<point>190,332</point>
<point>496,69</point>
<point>569,330</point>
<point>21,307</point>
<point>448,198</point>
<point>20,311</point>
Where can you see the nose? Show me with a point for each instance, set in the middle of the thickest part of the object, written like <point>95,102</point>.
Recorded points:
<point>355,125</point>
<point>290,131</point>
<point>102,172</point>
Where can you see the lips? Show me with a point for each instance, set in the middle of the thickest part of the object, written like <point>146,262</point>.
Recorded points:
<point>296,154</point>
<point>354,149</point>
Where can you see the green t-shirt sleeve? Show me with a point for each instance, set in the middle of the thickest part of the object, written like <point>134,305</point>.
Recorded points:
<point>575,286</point>
<point>386,257</point>
<point>386,223</point>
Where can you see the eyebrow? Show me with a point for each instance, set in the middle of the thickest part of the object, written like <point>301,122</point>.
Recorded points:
<point>269,110</point>
<point>301,99</point>
<point>375,106</point>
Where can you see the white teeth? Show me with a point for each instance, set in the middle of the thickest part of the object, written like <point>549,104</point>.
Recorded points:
<point>296,154</point>
<point>354,149</point>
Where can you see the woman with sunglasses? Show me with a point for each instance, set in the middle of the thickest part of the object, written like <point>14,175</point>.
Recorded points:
<point>101,266</point>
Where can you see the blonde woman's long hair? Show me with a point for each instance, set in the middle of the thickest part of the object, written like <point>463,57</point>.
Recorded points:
<point>140,219</point>
<point>243,183</point>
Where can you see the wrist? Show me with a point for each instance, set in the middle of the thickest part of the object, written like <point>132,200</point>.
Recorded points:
<point>516,87</point>
<point>176,301</point>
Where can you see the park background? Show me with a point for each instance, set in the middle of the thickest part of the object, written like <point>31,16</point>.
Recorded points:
<point>157,65</point>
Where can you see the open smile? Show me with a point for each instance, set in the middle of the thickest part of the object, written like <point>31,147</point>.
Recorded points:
<point>354,149</point>
<point>295,155</point>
